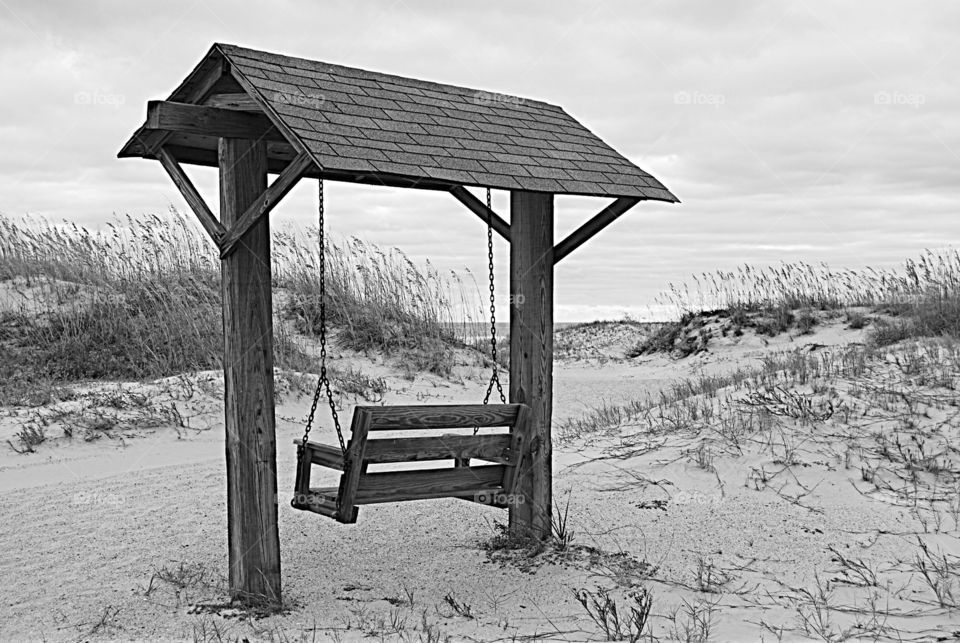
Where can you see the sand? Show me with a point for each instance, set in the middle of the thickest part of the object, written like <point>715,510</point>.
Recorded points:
<point>88,525</point>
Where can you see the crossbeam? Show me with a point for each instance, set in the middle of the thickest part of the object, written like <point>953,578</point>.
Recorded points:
<point>191,196</point>
<point>582,234</point>
<point>236,101</point>
<point>262,206</point>
<point>476,206</point>
<point>201,83</point>
<point>210,121</point>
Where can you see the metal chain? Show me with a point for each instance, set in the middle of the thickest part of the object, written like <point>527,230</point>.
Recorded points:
<point>495,370</point>
<point>323,383</point>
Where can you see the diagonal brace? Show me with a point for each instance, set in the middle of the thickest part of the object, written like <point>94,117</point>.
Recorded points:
<point>192,197</point>
<point>582,234</point>
<point>265,202</point>
<point>476,206</point>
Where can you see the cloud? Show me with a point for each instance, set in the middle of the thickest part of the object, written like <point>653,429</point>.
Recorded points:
<point>800,131</point>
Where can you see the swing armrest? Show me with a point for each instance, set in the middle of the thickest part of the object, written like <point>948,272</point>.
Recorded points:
<point>324,455</point>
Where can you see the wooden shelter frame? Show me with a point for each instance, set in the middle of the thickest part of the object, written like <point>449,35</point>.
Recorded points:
<point>219,103</point>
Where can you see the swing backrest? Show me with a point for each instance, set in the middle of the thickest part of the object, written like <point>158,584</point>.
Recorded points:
<point>500,452</point>
<point>491,482</point>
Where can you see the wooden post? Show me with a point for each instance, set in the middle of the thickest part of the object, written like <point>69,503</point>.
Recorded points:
<point>531,353</point>
<point>254,540</point>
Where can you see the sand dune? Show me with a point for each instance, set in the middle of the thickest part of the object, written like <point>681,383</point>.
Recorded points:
<point>118,532</point>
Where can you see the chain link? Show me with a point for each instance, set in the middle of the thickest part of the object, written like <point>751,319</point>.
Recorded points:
<point>323,382</point>
<point>495,369</point>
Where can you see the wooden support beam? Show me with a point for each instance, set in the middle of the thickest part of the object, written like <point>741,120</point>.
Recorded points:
<point>582,234</point>
<point>238,101</point>
<point>209,121</point>
<point>192,197</point>
<point>200,83</point>
<point>252,533</point>
<point>264,203</point>
<point>479,208</point>
<point>531,355</point>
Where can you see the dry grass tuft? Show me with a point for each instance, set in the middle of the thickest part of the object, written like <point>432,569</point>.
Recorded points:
<point>141,299</point>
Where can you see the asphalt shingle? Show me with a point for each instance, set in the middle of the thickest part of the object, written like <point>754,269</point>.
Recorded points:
<point>353,120</point>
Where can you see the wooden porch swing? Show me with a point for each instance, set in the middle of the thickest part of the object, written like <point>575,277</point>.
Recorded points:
<point>491,483</point>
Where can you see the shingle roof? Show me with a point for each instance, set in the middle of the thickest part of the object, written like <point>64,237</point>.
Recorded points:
<point>352,120</point>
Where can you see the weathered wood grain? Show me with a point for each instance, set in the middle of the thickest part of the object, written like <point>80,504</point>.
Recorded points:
<point>492,448</point>
<point>238,101</point>
<point>210,121</point>
<point>354,463</point>
<point>443,416</point>
<point>254,544</point>
<point>264,203</point>
<point>531,354</point>
<point>324,455</point>
<point>396,486</point>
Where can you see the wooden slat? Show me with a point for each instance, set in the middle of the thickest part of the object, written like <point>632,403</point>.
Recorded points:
<point>354,461</point>
<point>582,234</point>
<point>441,416</point>
<point>519,431</point>
<point>238,101</point>
<point>492,448</point>
<point>191,196</point>
<point>301,485</point>
<point>396,486</point>
<point>321,501</point>
<point>210,121</point>
<point>262,206</point>
<point>494,498</point>
<point>324,455</point>
<point>479,208</point>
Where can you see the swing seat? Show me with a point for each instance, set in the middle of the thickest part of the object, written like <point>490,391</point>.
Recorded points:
<point>490,483</point>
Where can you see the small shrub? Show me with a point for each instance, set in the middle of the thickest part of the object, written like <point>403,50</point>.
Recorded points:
<point>856,319</point>
<point>941,572</point>
<point>353,381</point>
<point>775,321</point>
<point>28,439</point>
<point>459,607</point>
<point>603,610</point>
<point>886,332</point>
<point>677,339</point>
<point>662,341</point>
<point>710,579</point>
<point>560,532</point>
<point>805,323</point>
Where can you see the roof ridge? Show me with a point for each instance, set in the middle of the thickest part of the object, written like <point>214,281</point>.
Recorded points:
<point>238,49</point>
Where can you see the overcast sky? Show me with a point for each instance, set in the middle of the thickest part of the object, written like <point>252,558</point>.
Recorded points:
<point>814,131</point>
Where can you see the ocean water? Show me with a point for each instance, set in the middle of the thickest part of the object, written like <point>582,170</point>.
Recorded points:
<point>478,330</point>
